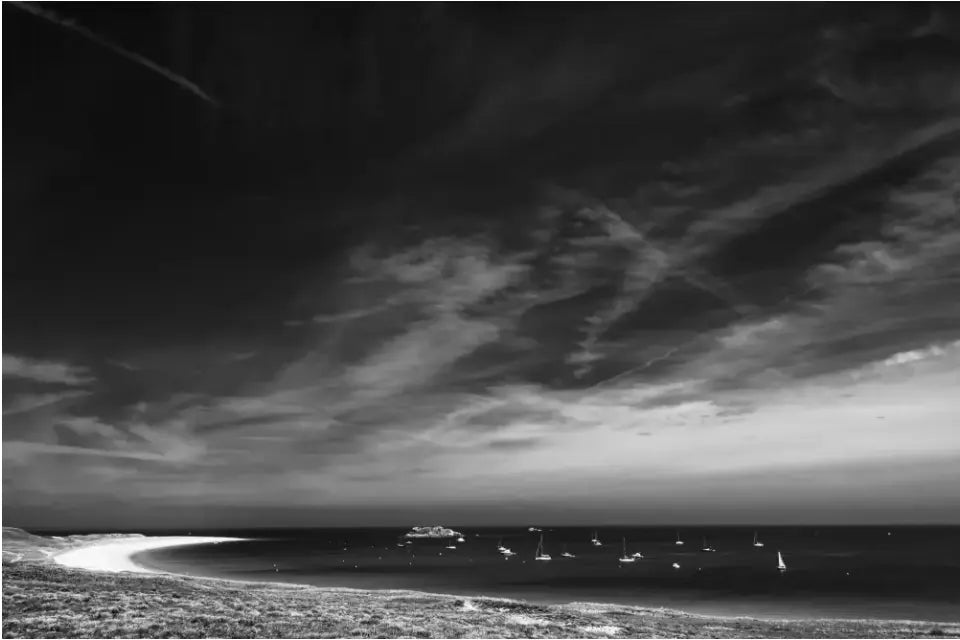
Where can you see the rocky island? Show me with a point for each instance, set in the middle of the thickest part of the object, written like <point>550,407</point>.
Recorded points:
<point>432,532</point>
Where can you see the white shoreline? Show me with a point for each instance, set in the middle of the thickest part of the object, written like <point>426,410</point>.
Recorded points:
<point>116,555</point>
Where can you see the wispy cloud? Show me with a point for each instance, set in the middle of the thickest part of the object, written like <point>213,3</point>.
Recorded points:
<point>915,355</point>
<point>514,443</point>
<point>46,371</point>
<point>127,366</point>
<point>136,58</point>
<point>770,299</point>
<point>24,403</point>
<point>444,278</point>
<point>22,449</point>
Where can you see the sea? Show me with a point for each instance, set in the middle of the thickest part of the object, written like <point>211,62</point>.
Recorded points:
<point>891,573</point>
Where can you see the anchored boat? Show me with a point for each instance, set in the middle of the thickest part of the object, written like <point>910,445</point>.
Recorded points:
<point>624,558</point>
<point>541,553</point>
<point>595,540</point>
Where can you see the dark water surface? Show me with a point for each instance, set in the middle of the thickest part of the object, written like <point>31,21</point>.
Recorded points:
<point>845,572</point>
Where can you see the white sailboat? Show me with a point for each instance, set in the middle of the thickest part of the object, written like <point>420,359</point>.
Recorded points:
<point>679,542</point>
<point>566,554</point>
<point>541,552</point>
<point>623,556</point>
<point>781,565</point>
<point>756,541</point>
<point>500,546</point>
<point>506,553</point>
<point>595,540</point>
<point>461,539</point>
<point>705,548</point>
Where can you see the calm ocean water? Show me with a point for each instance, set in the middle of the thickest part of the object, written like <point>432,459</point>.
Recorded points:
<point>845,572</point>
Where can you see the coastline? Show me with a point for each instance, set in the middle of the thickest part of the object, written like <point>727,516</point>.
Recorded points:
<point>117,555</point>
<point>94,588</point>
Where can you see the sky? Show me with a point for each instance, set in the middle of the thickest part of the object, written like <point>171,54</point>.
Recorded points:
<point>336,265</point>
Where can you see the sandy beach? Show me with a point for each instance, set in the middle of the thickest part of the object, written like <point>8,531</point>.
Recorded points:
<point>115,555</point>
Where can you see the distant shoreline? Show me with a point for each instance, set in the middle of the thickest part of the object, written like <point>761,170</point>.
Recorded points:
<point>116,555</point>
<point>91,587</point>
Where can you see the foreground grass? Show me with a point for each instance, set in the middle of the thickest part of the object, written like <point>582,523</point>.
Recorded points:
<point>42,600</point>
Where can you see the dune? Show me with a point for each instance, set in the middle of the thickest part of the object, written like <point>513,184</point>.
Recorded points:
<point>115,555</point>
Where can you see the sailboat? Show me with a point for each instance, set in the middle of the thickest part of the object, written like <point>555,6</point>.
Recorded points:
<point>566,554</point>
<point>623,556</point>
<point>541,553</point>
<point>756,541</point>
<point>781,565</point>
<point>705,548</point>
<point>461,539</point>
<point>595,540</point>
<point>679,542</point>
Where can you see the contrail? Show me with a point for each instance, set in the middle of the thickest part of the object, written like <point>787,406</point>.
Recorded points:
<point>649,363</point>
<point>67,23</point>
